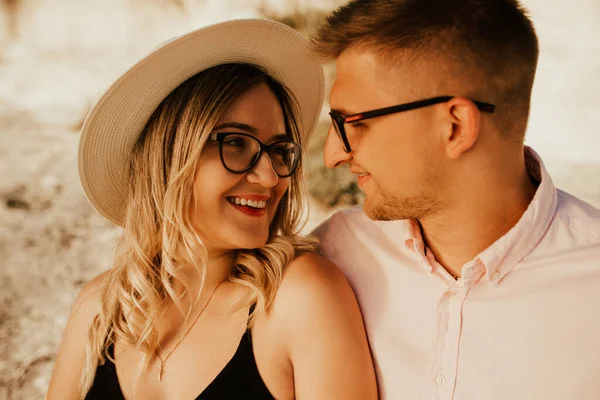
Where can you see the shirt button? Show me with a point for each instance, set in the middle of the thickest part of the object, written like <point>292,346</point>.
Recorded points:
<point>440,380</point>
<point>495,276</point>
<point>451,293</point>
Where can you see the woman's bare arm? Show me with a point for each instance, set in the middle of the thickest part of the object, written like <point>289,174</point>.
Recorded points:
<point>326,338</point>
<point>70,360</point>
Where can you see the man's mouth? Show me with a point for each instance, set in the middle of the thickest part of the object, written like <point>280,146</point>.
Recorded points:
<point>362,179</point>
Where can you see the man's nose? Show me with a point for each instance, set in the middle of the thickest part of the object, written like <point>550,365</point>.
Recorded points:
<point>334,153</point>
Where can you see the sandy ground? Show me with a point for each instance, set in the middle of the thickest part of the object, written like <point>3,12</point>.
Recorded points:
<point>63,53</point>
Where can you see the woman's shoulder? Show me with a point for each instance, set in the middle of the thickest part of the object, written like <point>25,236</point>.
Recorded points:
<point>87,304</point>
<point>311,271</point>
<point>71,355</point>
<point>312,288</point>
<point>86,307</point>
<point>316,322</point>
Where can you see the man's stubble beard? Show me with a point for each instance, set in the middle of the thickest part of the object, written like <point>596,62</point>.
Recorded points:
<point>381,206</point>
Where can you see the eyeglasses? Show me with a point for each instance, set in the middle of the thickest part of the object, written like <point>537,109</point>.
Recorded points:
<point>339,120</point>
<point>240,152</point>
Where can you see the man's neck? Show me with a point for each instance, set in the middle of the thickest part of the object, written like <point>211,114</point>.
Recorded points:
<point>476,220</point>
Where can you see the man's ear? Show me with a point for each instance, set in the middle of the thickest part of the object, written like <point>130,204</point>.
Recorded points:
<point>465,118</point>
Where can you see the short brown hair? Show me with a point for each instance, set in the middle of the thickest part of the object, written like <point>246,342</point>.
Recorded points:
<point>494,38</point>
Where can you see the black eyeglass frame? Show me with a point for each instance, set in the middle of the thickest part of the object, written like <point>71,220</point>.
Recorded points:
<point>339,120</point>
<point>220,138</point>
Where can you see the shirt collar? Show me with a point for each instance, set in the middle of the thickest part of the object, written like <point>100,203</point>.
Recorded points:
<point>500,258</point>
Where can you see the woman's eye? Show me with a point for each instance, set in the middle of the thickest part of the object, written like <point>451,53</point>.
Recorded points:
<point>234,142</point>
<point>280,152</point>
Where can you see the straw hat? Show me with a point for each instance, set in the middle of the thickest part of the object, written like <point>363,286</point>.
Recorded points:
<point>115,122</point>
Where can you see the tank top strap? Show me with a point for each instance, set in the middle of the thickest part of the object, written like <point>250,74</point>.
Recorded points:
<point>111,350</point>
<point>250,311</point>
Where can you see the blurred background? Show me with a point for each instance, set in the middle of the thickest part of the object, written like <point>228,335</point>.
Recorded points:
<point>58,56</point>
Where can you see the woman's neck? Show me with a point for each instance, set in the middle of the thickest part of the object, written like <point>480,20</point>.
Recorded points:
<point>218,267</point>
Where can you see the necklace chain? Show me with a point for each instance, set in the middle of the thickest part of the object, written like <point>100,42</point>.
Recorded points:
<point>161,372</point>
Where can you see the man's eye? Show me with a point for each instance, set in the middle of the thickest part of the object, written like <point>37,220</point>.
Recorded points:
<point>357,125</point>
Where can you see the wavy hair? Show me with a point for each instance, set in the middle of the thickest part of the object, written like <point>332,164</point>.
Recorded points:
<point>159,234</point>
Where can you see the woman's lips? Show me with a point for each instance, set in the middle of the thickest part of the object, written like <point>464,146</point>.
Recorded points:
<point>251,211</point>
<point>247,209</point>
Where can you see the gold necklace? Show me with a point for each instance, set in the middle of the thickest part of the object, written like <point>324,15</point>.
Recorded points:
<point>161,372</point>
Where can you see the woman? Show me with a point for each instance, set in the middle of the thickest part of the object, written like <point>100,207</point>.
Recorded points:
<point>195,151</point>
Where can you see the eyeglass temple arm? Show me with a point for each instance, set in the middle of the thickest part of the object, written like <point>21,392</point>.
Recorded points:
<point>486,107</point>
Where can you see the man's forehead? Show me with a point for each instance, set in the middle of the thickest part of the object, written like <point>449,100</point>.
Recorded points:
<point>356,55</point>
<point>383,79</point>
<point>365,79</point>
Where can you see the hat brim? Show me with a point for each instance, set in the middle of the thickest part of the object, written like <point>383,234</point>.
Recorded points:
<point>114,124</point>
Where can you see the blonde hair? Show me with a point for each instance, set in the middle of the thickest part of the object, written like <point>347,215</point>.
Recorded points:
<point>159,234</point>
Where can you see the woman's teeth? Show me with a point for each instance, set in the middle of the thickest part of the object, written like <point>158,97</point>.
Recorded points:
<point>247,202</point>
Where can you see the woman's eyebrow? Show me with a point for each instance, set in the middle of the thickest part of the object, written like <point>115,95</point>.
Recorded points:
<point>238,125</point>
<point>279,137</point>
<point>252,130</point>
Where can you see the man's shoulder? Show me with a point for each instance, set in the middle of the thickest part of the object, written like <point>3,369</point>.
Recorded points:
<point>578,217</point>
<point>352,233</point>
<point>343,230</point>
<point>343,220</point>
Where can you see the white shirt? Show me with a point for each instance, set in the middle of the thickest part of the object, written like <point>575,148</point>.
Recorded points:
<point>522,323</point>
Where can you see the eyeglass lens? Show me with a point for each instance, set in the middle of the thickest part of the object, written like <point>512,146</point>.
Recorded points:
<point>241,152</point>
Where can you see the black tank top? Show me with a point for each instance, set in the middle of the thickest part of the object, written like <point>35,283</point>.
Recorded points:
<point>238,380</point>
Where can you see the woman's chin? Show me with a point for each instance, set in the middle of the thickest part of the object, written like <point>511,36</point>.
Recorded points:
<point>250,241</point>
<point>250,244</point>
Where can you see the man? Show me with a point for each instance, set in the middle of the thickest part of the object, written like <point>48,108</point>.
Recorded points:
<point>477,278</point>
